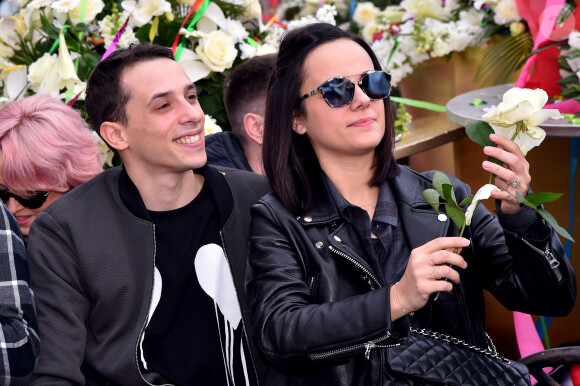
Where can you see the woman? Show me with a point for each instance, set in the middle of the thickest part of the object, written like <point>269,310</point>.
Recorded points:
<point>46,149</point>
<point>346,253</point>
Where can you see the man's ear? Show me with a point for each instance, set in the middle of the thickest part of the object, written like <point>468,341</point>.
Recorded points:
<point>114,134</point>
<point>254,127</point>
<point>297,125</point>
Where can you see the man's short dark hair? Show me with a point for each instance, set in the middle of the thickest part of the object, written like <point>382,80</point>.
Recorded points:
<point>106,97</point>
<point>245,90</point>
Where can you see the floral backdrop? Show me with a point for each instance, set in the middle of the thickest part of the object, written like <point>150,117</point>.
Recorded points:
<point>50,46</point>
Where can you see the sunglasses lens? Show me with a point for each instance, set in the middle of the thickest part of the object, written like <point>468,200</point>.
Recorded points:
<point>338,92</point>
<point>34,202</point>
<point>377,85</point>
<point>4,195</point>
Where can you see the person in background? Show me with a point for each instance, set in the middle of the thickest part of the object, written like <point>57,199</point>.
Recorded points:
<point>19,342</point>
<point>346,255</point>
<point>46,149</point>
<point>139,273</point>
<point>245,101</point>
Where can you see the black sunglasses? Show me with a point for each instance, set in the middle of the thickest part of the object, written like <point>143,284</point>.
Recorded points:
<point>34,202</point>
<point>339,91</point>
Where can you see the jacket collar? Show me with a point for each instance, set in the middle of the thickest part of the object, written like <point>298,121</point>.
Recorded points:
<point>219,188</point>
<point>418,221</point>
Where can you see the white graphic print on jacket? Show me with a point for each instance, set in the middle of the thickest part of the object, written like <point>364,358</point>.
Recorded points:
<point>215,278</point>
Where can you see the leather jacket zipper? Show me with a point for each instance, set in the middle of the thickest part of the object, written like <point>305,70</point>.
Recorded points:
<point>549,256</point>
<point>367,272</point>
<point>367,346</point>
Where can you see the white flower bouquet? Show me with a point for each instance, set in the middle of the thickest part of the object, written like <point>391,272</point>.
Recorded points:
<point>51,46</point>
<point>414,31</point>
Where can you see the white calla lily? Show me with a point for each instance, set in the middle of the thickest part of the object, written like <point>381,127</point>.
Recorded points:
<point>65,65</point>
<point>15,82</point>
<point>192,65</point>
<point>519,115</point>
<point>482,194</point>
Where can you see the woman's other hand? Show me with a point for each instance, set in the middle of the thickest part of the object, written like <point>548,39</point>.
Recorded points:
<point>428,265</point>
<point>513,176</point>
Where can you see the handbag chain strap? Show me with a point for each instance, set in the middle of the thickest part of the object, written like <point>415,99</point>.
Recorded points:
<point>490,351</point>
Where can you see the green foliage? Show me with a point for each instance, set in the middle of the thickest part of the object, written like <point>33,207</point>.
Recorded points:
<point>504,58</point>
<point>432,197</point>
<point>538,199</point>
<point>478,132</point>
<point>456,214</point>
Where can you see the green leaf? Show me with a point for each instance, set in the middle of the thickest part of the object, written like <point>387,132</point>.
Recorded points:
<point>466,201</point>
<point>552,221</point>
<point>494,160</point>
<point>541,198</point>
<point>449,194</point>
<point>47,26</point>
<point>504,57</point>
<point>478,132</point>
<point>432,197</point>
<point>523,200</point>
<point>457,215</point>
<point>439,179</point>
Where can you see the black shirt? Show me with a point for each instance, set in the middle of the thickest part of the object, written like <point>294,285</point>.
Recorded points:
<point>182,339</point>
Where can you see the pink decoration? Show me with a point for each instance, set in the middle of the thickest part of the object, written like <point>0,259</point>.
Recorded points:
<point>529,341</point>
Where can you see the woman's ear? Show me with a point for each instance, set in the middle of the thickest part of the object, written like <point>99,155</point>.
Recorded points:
<point>114,134</point>
<point>298,126</point>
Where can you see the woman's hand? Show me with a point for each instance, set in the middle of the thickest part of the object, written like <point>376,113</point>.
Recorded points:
<point>427,265</point>
<point>513,176</point>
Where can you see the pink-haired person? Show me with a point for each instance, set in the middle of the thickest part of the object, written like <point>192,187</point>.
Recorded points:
<point>46,149</point>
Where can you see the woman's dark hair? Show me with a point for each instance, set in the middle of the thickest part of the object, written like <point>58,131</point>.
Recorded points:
<point>289,159</point>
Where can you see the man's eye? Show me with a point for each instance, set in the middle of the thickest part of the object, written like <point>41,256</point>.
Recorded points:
<point>192,97</point>
<point>163,106</point>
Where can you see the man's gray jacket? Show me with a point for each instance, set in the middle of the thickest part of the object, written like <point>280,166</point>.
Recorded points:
<point>92,260</point>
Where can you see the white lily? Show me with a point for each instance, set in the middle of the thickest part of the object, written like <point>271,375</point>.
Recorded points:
<point>192,65</point>
<point>145,10</point>
<point>518,116</point>
<point>482,194</point>
<point>427,8</point>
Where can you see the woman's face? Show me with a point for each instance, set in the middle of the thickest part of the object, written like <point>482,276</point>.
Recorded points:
<point>25,216</point>
<point>338,133</point>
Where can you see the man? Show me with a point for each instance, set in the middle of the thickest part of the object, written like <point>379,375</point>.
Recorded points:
<point>245,101</point>
<point>133,270</point>
<point>19,343</point>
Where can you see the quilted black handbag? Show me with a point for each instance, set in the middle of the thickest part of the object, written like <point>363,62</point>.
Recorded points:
<point>430,358</point>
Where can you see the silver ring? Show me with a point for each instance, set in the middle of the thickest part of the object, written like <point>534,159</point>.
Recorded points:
<point>440,274</point>
<point>515,183</point>
<point>433,270</point>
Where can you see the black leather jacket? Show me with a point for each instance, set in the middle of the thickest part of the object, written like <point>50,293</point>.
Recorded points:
<point>316,303</point>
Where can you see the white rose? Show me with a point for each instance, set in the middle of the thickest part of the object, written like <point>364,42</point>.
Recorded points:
<point>364,13</point>
<point>521,106</point>
<point>217,51</point>
<point>210,126</point>
<point>505,12</point>
<point>574,39</point>
<point>92,9</point>
<point>369,30</point>
<point>39,70</point>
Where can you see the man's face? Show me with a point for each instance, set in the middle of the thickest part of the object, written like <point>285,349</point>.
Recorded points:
<point>165,123</point>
